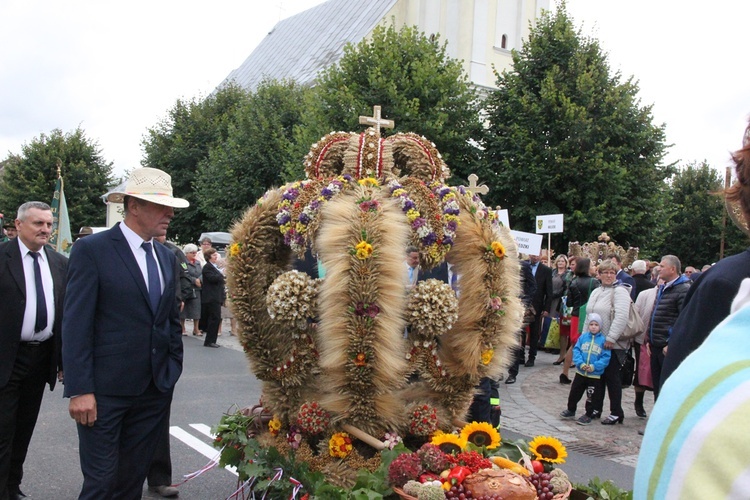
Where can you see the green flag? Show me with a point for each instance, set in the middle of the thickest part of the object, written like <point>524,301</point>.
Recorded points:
<point>61,238</point>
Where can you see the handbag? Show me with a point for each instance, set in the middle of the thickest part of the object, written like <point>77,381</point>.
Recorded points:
<point>553,336</point>
<point>628,368</point>
<point>634,325</point>
<point>644,368</point>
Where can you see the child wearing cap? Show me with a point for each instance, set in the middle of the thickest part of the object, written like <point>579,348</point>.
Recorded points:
<point>590,358</point>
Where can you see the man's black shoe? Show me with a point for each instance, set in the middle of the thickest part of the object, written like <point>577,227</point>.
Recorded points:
<point>211,345</point>
<point>529,363</point>
<point>510,380</point>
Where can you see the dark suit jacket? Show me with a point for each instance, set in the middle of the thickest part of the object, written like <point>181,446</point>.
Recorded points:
<point>628,280</point>
<point>13,304</point>
<point>543,296</point>
<point>439,272</point>
<point>113,343</point>
<point>213,285</point>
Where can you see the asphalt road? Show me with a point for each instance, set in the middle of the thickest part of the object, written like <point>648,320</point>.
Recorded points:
<point>213,381</point>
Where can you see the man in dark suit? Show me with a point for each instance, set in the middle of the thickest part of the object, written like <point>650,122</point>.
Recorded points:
<point>122,340</point>
<point>32,287</point>
<point>622,276</point>
<point>542,303</point>
<point>528,283</point>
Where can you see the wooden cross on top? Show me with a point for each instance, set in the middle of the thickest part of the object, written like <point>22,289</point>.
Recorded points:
<point>482,189</point>
<point>376,121</point>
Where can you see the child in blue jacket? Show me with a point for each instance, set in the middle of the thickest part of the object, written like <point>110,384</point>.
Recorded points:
<point>590,358</point>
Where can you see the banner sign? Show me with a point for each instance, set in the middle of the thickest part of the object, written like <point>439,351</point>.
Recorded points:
<point>549,223</point>
<point>502,217</point>
<point>528,243</point>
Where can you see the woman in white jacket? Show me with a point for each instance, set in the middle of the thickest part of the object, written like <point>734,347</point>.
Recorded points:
<point>612,303</point>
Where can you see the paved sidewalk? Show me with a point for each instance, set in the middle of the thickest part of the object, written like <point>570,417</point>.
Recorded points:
<point>531,407</point>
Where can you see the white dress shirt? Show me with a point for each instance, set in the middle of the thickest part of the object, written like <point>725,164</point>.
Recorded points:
<point>29,314</point>
<point>139,253</point>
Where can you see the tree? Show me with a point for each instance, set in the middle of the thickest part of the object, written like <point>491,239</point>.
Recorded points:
<point>566,135</point>
<point>179,143</point>
<point>258,149</point>
<point>696,209</point>
<point>416,83</point>
<point>31,176</point>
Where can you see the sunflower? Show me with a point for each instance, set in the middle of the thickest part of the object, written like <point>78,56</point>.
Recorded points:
<point>274,426</point>
<point>481,434</point>
<point>234,249</point>
<point>448,443</point>
<point>498,249</point>
<point>548,449</point>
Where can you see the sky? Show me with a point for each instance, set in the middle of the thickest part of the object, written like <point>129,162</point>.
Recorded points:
<point>115,69</point>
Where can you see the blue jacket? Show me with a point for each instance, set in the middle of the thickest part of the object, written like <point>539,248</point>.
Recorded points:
<point>589,350</point>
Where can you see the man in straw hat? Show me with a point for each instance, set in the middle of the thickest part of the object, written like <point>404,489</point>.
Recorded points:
<point>122,342</point>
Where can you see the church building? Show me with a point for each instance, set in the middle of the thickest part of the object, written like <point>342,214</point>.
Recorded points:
<point>481,33</point>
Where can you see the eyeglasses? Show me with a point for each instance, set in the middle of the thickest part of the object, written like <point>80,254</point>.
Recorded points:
<point>607,272</point>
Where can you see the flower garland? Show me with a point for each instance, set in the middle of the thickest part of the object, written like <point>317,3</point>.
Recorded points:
<point>296,232</point>
<point>434,232</point>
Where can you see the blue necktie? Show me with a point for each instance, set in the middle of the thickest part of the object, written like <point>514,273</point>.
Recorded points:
<point>41,302</point>
<point>154,286</point>
<point>411,275</point>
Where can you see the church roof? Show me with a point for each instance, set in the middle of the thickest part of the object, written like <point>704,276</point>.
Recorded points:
<point>300,46</point>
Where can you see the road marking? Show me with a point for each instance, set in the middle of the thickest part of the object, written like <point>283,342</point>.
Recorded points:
<point>204,429</point>
<point>204,449</point>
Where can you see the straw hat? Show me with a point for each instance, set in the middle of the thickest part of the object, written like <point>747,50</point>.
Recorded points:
<point>152,185</point>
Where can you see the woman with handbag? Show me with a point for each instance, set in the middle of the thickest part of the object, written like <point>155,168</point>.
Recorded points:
<point>579,290</point>
<point>642,382</point>
<point>612,303</point>
<point>561,279</point>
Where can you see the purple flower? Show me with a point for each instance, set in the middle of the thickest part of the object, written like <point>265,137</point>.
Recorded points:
<point>447,240</point>
<point>452,225</point>
<point>408,205</point>
<point>451,211</point>
<point>347,177</point>
<point>418,222</point>
<point>315,204</point>
<point>303,218</point>
<point>290,194</point>
<point>443,192</point>
<point>326,193</point>
<point>429,239</point>
<point>284,219</point>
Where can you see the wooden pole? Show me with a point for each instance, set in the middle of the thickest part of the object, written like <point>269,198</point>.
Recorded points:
<point>364,437</point>
<point>727,180</point>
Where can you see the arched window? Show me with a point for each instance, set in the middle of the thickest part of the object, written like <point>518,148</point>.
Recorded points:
<point>504,42</point>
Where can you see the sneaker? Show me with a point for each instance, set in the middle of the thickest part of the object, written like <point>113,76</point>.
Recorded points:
<point>567,414</point>
<point>584,420</point>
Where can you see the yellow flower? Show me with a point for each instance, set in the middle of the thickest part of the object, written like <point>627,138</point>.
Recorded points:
<point>481,434</point>
<point>487,356</point>
<point>498,249</point>
<point>398,192</point>
<point>340,445</point>
<point>363,250</point>
<point>448,443</point>
<point>274,426</point>
<point>412,214</point>
<point>234,249</point>
<point>548,449</point>
<point>368,181</point>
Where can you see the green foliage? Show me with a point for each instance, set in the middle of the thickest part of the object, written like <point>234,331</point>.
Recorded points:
<point>566,135</point>
<point>696,214</point>
<point>31,176</point>
<point>416,83</point>
<point>252,158</point>
<point>597,489</point>
<point>261,463</point>
<point>180,142</point>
